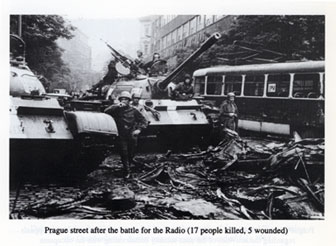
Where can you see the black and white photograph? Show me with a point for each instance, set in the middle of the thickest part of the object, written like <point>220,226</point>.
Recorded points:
<point>167,117</point>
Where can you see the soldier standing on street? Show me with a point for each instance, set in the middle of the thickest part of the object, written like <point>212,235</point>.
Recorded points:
<point>228,115</point>
<point>129,122</point>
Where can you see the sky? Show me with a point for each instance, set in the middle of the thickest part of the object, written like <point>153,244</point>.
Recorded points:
<point>121,33</point>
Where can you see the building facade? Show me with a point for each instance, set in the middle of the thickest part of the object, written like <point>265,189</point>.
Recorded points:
<point>169,33</point>
<point>146,33</point>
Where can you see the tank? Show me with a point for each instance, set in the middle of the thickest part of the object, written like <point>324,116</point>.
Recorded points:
<point>43,136</point>
<point>177,121</point>
<point>154,85</point>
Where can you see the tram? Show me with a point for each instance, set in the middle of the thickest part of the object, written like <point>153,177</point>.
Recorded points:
<point>277,98</point>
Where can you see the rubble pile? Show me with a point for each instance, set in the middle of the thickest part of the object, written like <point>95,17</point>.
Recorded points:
<point>237,179</point>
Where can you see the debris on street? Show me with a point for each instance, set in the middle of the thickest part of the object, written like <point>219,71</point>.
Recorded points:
<point>240,178</point>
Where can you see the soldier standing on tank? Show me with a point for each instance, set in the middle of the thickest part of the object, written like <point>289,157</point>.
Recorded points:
<point>139,60</point>
<point>184,90</point>
<point>129,122</point>
<point>228,114</point>
<point>108,79</point>
<point>152,67</point>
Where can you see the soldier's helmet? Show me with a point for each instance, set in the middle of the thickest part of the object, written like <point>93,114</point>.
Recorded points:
<point>187,76</point>
<point>231,94</point>
<point>124,94</point>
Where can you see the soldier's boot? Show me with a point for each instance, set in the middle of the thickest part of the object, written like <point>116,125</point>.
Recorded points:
<point>127,171</point>
<point>132,160</point>
<point>127,174</point>
<point>138,166</point>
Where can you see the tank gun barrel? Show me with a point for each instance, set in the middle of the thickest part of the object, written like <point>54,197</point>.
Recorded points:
<point>125,61</point>
<point>161,85</point>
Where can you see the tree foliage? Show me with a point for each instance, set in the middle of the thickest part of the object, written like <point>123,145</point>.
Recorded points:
<point>264,38</point>
<point>43,55</point>
<point>296,37</point>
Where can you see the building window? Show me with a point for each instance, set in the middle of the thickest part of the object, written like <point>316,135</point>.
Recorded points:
<point>193,25</point>
<point>169,39</point>
<point>201,37</point>
<point>147,30</point>
<point>173,38</point>
<point>161,21</point>
<point>179,33</point>
<point>185,30</point>
<point>208,20</point>
<point>163,43</point>
<point>158,45</point>
<point>199,23</point>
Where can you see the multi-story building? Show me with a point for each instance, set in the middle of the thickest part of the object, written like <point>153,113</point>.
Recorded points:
<point>146,34</point>
<point>170,33</point>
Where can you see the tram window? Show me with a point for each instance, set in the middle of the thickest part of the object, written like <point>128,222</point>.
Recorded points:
<point>254,85</point>
<point>306,85</point>
<point>278,85</point>
<point>214,85</point>
<point>199,85</point>
<point>233,84</point>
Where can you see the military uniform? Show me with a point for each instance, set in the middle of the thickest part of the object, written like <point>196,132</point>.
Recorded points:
<point>183,91</point>
<point>228,115</point>
<point>141,109</point>
<point>128,119</point>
